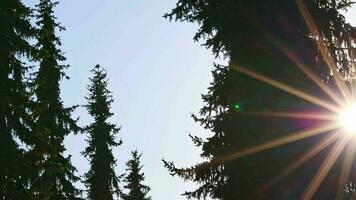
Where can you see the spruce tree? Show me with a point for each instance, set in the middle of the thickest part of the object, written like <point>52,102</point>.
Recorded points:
<point>134,178</point>
<point>54,174</point>
<point>101,180</point>
<point>248,33</point>
<point>15,33</point>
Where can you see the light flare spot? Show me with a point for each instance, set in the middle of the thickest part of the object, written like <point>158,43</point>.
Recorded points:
<point>348,118</point>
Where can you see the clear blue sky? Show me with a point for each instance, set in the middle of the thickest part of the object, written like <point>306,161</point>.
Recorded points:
<point>157,74</point>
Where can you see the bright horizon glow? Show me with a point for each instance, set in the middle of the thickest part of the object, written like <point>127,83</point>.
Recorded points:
<point>348,119</point>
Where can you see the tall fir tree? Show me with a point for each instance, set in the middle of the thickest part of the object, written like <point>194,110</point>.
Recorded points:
<point>134,178</point>
<point>101,180</point>
<point>15,34</point>
<point>53,176</point>
<point>267,37</point>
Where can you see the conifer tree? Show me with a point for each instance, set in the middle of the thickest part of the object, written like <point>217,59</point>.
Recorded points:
<point>101,180</point>
<point>54,174</point>
<point>134,178</point>
<point>249,33</point>
<point>15,33</point>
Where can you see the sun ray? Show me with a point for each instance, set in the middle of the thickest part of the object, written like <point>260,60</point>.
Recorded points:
<point>352,89</point>
<point>296,115</point>
<point>318,147</point>
<point>308,72</point>
<point>298,63</point>
<point>323,49</point>
<point>292,137</point>
<point>325,168</point>
<point>286,88</point>
<point>309,154</point>
<point>345,170</point>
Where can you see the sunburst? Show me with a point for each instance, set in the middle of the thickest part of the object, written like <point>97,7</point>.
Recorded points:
<point>347,119</point>
<point>341,121</point>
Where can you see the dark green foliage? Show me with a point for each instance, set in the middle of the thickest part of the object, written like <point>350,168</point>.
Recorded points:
<point>101,179</point>
<point>134,178</point>
<point>240,28</point>
<point>15,33</point>
<point>249,33</point>
<point>53,175</point>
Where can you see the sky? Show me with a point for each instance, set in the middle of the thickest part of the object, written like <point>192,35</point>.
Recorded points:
<point>156,73</point>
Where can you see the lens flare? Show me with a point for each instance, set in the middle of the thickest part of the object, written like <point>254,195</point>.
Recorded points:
<point>348,119</point>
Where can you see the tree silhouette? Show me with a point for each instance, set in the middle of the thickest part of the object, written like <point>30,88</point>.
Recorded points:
<point>257,34</point>
<point>54,174</point>
<point>134,179</point>
<point>15,33</point>
<point>101,179</point>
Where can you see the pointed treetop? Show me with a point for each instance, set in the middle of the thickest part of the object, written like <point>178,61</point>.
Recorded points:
<point>134,178</point>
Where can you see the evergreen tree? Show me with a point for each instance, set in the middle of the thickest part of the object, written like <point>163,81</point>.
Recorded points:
<point>54,174</point>
<point>248,33</point>
<point>134,179</point>
<point>101,179</point>
<point>15,33</point>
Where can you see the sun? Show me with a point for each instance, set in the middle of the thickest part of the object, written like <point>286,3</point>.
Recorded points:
<point>347,119</point>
